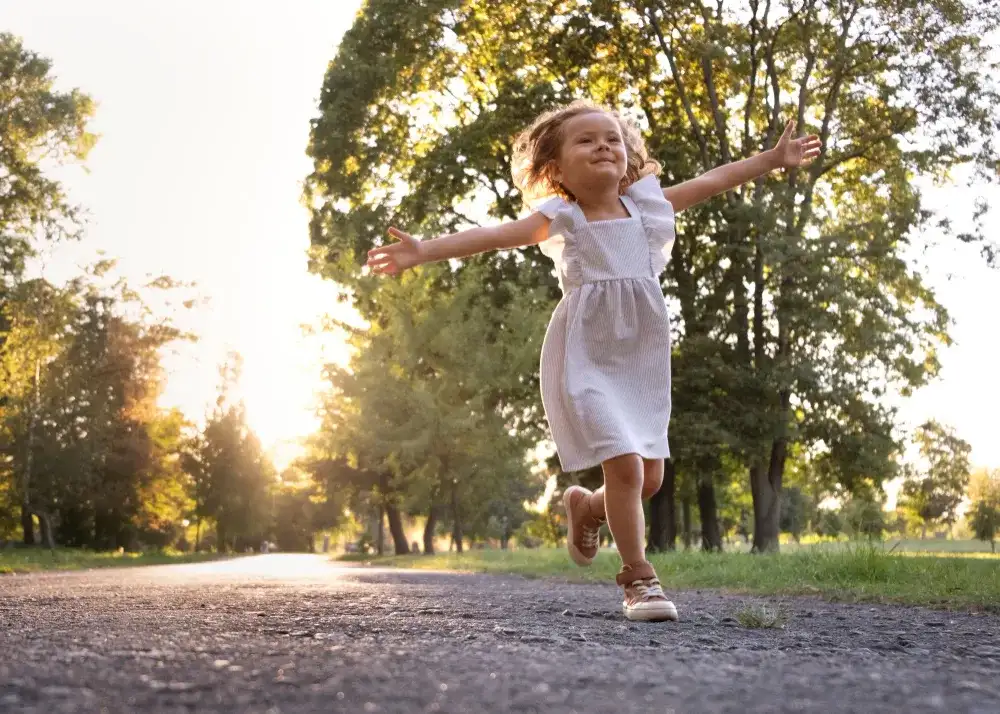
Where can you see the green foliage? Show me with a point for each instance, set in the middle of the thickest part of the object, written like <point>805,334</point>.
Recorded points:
<point>984,515</point>
<point>231,475</point>
<point>795,308</point>
<point>90,453</point>
<point>41,127</point>
<point>796,509</point>
<point>295,519</point>
<point>435,410</point>
<point>829,523</point>
<point>934,489</point>
<point>864,518</point>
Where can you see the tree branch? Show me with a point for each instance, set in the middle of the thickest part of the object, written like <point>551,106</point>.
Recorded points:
<point>681,91</point>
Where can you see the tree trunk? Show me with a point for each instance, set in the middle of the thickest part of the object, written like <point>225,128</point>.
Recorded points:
<point>27,523</point>
<point>429,528</point>
<point>220,538</point>
<point>765,486</point>
<point>456,519</point>
<point>402,547</point>
<point>686,521</point>
<point>45,524</point>
<point>663,513</point>
<point>711,539</point>
<point>380,537</point>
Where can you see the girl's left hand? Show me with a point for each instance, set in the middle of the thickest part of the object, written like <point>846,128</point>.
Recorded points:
<point>792,153</point>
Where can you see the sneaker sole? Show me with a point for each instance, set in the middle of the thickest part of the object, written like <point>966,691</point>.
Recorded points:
<point>574,552</point>
<point>661,612</point>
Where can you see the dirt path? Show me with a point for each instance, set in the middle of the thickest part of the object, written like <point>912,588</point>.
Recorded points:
<point>288,633</point>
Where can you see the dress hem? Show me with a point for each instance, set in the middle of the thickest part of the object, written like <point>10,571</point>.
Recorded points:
<point>611,453</point>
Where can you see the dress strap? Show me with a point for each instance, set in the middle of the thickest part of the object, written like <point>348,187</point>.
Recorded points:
<point>630,206</point>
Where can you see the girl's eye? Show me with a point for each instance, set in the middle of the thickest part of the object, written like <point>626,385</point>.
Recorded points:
<point>585,140</point>
<point>615,140</point>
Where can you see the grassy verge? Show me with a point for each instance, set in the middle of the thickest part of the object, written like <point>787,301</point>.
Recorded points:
<point>29,560</point>
<point>858,573</point>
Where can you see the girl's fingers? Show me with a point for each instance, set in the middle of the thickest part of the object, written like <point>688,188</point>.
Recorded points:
<point>401,235</point>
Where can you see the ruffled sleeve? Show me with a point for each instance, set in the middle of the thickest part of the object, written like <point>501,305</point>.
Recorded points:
<point>657,219</point>
<point>560,246</point>
<point>551,208</point>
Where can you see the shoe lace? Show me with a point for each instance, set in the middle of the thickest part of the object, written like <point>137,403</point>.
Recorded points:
<point>591,535</point>
<point>648,589</point>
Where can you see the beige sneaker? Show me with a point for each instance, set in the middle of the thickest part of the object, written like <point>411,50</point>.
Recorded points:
<point>584,529</point>
<point>644,598</point>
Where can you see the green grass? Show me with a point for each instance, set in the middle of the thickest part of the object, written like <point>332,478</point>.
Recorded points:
<point>29,560</point>
<point>853,572</point>
<point>758,616</point>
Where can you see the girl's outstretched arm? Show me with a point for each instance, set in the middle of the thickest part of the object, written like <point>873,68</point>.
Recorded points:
<point>789,153</point>
<point>410,251</point>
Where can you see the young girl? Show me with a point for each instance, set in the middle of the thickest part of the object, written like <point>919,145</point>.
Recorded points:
<point>605,366</point>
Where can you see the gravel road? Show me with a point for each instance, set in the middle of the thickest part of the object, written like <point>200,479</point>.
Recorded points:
<point>298,633</point>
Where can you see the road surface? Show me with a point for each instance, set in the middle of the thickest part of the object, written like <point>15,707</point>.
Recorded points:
<point>298,633</point>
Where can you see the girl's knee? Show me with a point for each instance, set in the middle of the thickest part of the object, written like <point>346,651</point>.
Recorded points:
<point>651,486</point>
<point>624,472</point>
<point>652,479</point>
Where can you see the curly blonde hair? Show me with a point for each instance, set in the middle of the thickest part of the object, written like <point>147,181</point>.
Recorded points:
<point>537,148</point>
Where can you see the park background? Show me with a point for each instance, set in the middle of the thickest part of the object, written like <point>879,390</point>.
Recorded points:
<point>194,360</point>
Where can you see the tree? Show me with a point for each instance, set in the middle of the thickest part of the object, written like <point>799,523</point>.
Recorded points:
<point>796,310</point>
<point>795,512</point>
<point>829,523</point>
<point>42,127</point>
<point>84,436</point>
<point>934,490</point>
<point>230,472</point>
<point>984,494</point>
<point>864,517</point>
<point>424,420</point>
<point>37,317</point>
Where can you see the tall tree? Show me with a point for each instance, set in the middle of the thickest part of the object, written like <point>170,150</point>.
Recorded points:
<point>795,308</point>
<point>83,431</point>
<point>984,506</point>
<point>231,475</point>
<point>433,405</point>
<point>39,127</point>
<point>935,487</point>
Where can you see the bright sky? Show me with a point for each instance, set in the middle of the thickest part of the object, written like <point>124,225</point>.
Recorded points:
<point>203,115</point>
<point>203,112</point>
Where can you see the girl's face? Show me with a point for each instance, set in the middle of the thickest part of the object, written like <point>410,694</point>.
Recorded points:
<point>592,155</point>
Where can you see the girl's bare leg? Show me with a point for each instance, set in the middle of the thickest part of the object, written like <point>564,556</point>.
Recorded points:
<point>652,479</point>
<point>622,501</point>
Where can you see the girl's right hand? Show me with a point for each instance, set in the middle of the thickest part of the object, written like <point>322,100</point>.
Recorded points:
<point>394,259</point>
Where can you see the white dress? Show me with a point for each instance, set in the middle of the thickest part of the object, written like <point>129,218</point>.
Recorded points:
<point>605,368</point>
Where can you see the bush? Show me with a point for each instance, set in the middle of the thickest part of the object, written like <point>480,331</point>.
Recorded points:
<point>864,518</point>
<point>985,521</point>
<point>829,524</point>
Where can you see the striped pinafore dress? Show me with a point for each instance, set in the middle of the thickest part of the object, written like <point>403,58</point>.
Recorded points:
<point>605,367</point>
